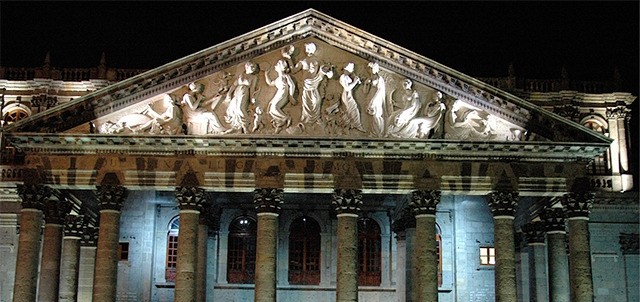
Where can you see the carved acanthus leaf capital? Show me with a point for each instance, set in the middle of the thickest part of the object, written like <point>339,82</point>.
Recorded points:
<point>111,197</point>
<point>268,200</point>
<point>89,236</point>
<point>406,220</point>
<point>577,204</point>
<point>553,219</point>
<point>347,201</point>
<point>618,112</point>
<point>424,202</point>
<point>55,211</point>
<point>74,225</point>
<point>190,198</point>
<point>629,243</point>
<point>33,195</point>
<point>534,232</point>
<point>503,203</point>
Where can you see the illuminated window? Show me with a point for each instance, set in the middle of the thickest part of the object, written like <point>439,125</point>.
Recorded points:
<point>369,270</point>
<point>600,164</point>
<point>241,256</point>
<point>304,251</point>
<point>123,251</point>
<point>172,250</point>
<point>15,115</point>
<point>487,256</point>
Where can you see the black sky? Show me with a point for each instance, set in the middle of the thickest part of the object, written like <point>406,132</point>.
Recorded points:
<point>479,39</point>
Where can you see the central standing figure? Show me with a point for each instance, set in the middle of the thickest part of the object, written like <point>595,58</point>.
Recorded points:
<point>285,89</point>
<point>351,116</point>
<point>239,96</point>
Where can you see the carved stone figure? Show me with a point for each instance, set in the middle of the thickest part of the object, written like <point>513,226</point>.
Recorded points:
<point>466,123</point>
<point>420,125</point>
<point>410,106</point>
<point>197,108</point>
<point>240,94</point>
<point>313,74</point>
<point>167,122</point>
<point>285,88</point>
<point>377,102</point>
<point>351,113</point>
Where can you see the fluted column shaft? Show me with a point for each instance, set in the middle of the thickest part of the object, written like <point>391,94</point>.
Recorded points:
<point>502,206</point>
<point>425,260</point>
<point>190,200</point>
<point>576,207</point>
<point>557,261</point>
<point>347,205</point>
<point>26,275</point>
<point>110,199</point>
<point>267,202</point>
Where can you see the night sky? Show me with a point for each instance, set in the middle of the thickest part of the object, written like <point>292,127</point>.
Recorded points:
<point>476,38</point>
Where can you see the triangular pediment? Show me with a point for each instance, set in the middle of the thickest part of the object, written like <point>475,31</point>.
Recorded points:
<point>293,93</point>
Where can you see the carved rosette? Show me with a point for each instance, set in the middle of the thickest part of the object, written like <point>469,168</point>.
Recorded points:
<point>534,232</point>
<point>190,198</point>
<point>74,226</point>
<point>347,201</point>
<point>424,202</point>
<point>268,200</point>
<point>577,204</point>
<point>406,220</point>
<point>503,203</point>
<point>89,236</point>
<point>629,243</point>
<point>618,112</point>
<point>568,111</point>
<point>55,211</point>
<point>111,197</point>
<point>33,196</point>
<point>553,219</point>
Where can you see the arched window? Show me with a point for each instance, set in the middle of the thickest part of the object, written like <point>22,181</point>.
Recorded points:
<point>439,256</point>
<point>241,257</point>
<point>304,251</point>
<point>369,268</point>
<point>14,114</point>
<point>172,250</point>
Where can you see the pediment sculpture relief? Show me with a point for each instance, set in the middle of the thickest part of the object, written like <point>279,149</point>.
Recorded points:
<point>282,94</point>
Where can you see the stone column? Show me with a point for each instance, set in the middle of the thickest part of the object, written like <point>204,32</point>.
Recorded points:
<point>558,264</point>
<point>425,260</point>
<point>534,235</point>
<point>503,205</point>
<point>576,208</point>
<point>346,203</point>
<point>629,247</point>
<point>26,276</point>
<point>69,267</point>
<point>110,199</point>
<point>204,223</point>
<point>55,212</point>
<point>190,200</point>
<point>267,202</point>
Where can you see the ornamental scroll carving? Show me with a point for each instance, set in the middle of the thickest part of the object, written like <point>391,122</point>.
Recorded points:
<point>311,89</point>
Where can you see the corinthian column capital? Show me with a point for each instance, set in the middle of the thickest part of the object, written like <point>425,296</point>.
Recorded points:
<point>268,200</point>
<point>424,202</point>
<point>33,195</point>
<point>553,219</point>
<point>534,232</point>
<point>111,197</point>
<point>190,198</point>
<point>55,211</point>
<point>577,204</point>
<point>347,201</point>
<point>503,203</point>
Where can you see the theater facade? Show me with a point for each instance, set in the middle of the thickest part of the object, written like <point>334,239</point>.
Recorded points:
<point>309,160</point>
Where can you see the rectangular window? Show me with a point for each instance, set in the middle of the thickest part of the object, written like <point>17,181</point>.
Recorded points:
<point>123,251</point>
<point>487,256</point>
<point>172,258</point>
